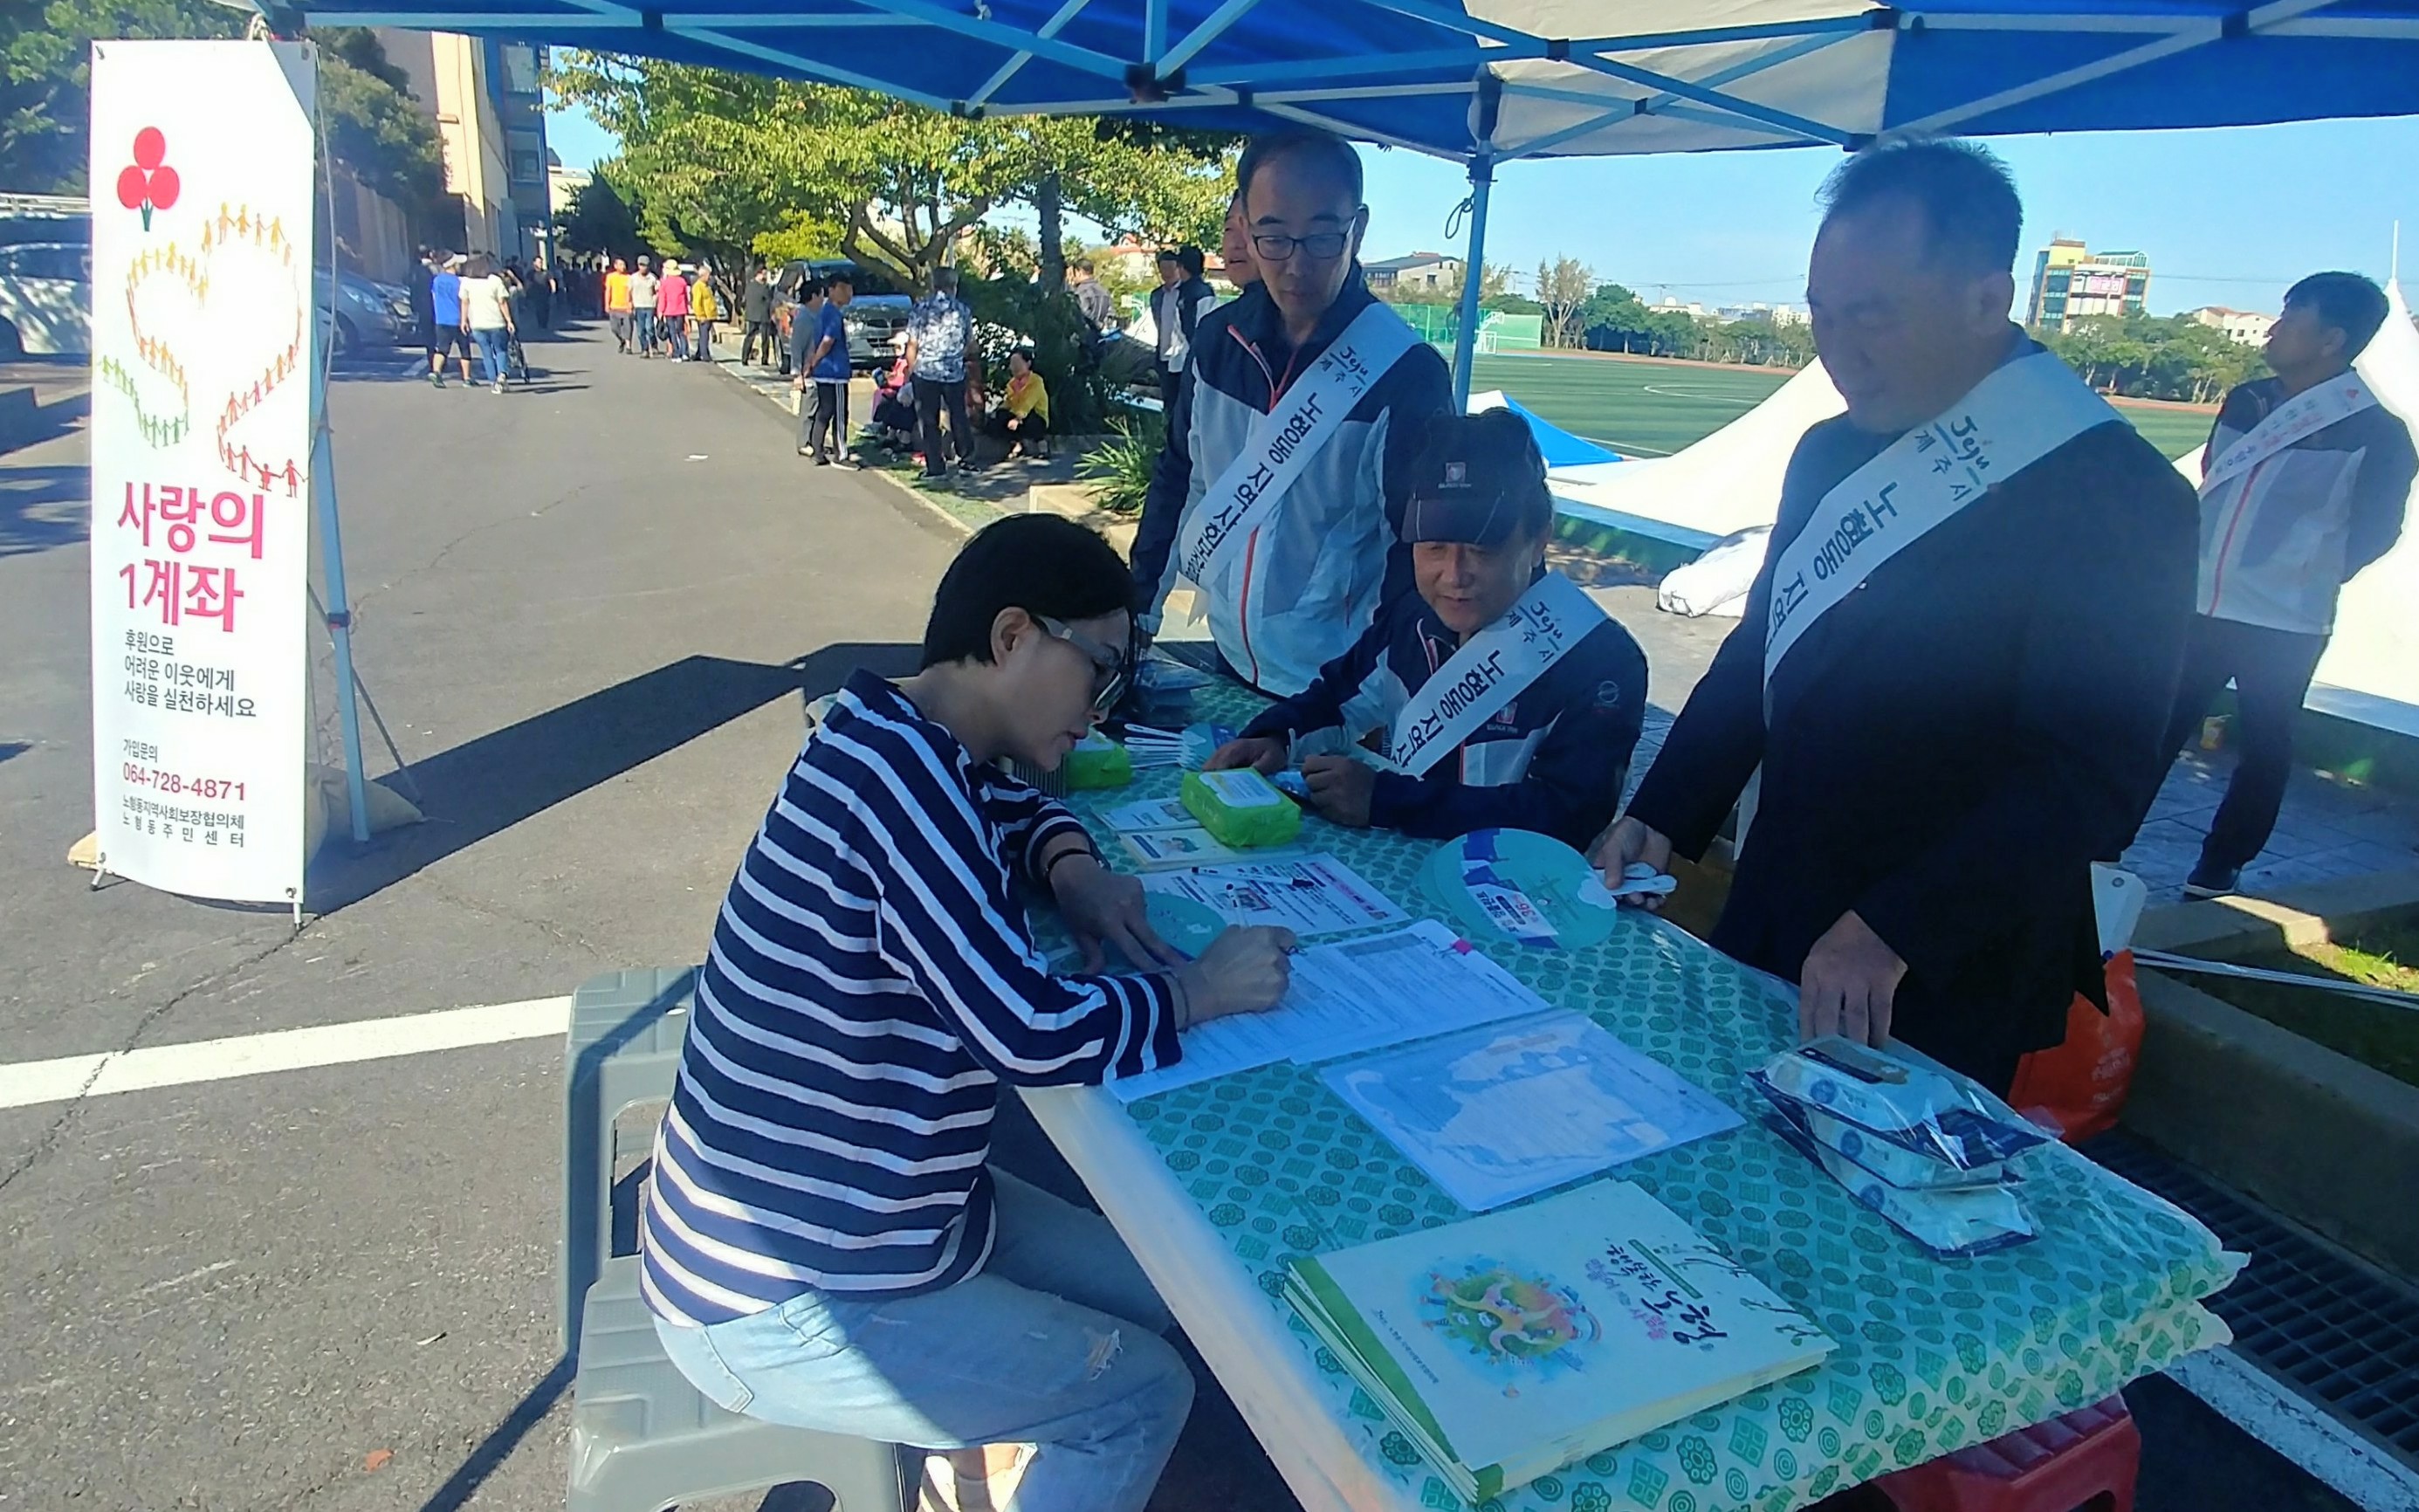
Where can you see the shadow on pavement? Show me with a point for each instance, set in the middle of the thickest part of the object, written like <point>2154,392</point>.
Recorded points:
<point>51,420</point>
<point>502,1440</point>
<point>41,507</point>
<point>498,781</point>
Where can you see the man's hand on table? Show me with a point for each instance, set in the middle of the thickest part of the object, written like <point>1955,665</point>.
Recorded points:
<point>1100,905</point>
<point>1340,789</point>
<point>1244,970</point>
<point>1265,755</point>
<point>1847,987</point>
<point>1628,841</point>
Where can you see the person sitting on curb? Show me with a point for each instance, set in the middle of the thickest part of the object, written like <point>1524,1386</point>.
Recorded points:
<point>1022,418</point>
<point>1545,745</point>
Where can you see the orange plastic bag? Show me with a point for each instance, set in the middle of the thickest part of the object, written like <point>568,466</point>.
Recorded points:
<point>2079,1087</point>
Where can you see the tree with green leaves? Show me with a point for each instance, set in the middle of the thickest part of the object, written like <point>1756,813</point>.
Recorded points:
<point>1564,285</point>
<point>373,126</point>
<point>729,157</point>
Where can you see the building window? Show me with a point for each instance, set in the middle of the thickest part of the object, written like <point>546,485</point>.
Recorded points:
<point>520,69</point>
<point>527,168</point>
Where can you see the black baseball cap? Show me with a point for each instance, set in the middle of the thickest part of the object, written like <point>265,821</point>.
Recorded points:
<point>1478,479</point>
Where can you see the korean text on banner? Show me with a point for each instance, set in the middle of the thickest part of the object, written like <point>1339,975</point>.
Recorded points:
<point>202,423</point>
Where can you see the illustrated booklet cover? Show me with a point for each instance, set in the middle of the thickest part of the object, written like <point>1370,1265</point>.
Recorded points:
<point>1508,1346</point>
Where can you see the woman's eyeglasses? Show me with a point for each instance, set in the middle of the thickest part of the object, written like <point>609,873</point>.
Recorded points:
<point>1111,669</point>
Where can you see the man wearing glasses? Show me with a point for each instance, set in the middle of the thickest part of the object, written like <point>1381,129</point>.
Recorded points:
<point>1282,491</point>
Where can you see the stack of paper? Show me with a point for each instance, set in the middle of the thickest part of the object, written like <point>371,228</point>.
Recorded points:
<point>1347,997</point>
<point>1508,1346</point>
<point>1496,1114</point>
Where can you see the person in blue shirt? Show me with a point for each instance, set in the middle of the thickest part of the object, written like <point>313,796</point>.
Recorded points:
<point>445,310</point>
<point>822,351</point>
<point>1553,756</point>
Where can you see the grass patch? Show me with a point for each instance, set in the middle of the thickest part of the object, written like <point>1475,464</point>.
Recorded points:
<point>2374,1034</point>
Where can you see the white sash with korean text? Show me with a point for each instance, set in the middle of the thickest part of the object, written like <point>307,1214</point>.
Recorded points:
<point>1282,442</point>
<point>1491,669</point>
<point>2022,412</point>
<point>2304,415</point>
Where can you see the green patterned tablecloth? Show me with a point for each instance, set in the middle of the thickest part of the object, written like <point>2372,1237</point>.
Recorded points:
<point>1933,1354</point>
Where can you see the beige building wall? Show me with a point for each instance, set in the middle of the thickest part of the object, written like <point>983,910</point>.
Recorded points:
<point>449,77</point>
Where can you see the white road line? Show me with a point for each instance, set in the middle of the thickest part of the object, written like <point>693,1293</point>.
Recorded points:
<point>2301,1431</point>
<point>33,1081</point>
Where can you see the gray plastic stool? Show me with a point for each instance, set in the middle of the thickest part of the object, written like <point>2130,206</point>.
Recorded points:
<point>623,1048</point>
<point>644,1439</point>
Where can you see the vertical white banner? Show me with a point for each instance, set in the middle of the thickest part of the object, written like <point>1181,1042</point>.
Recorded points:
<point>202,423</point>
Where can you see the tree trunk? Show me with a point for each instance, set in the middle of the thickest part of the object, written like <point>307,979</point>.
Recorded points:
<point>1047,201</point>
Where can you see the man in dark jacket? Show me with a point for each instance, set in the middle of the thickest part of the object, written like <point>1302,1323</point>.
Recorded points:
<point>2306,479</point>
<point>1295,545</point>
<point>756,310</point>
<point>1955,664</point>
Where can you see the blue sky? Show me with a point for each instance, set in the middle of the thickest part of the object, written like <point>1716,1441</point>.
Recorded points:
<point>2227,217</point>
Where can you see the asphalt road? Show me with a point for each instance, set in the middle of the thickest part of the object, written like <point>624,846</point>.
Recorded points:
<point>590,613</point>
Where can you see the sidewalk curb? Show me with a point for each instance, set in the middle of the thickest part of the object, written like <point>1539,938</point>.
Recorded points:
<point>729,369</point>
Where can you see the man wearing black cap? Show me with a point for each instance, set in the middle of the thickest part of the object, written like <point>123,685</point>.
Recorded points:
<point>1497,696</point>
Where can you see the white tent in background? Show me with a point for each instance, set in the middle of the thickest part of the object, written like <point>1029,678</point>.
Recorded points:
<point>1727,482</point>
<point>2370,672</point>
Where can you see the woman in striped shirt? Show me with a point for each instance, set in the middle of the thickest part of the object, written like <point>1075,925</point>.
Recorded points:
<point>824,1245</point>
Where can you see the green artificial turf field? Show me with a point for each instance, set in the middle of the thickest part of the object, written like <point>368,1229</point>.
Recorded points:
<point>1644,407</point>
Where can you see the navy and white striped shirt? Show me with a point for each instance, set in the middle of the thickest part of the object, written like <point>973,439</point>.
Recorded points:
<point>872,981</point>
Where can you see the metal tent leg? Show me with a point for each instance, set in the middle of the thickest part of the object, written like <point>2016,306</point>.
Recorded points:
<point>339,613</point>
<point>1474,279</point>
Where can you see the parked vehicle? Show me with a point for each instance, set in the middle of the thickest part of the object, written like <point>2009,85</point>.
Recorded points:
<point>45,299</point>
<point>876,316</point>
<point>364,313</point>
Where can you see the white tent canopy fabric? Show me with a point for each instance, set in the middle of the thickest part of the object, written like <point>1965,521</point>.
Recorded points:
<point>2370,672</point>
<point>1723,484</point>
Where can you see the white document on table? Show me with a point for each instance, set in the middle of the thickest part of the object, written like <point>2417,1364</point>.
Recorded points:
<point>1510,1109</point>
<point>1147,814</point>
<point>1312,895</point>
<point>1347,997</point>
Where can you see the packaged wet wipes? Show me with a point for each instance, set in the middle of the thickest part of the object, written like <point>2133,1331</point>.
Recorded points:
<point>1916,1108</point>
<point>1881,1155</point>
<point>1242,808</point>
<point>1965,1221</point>
<point>1096,762</point>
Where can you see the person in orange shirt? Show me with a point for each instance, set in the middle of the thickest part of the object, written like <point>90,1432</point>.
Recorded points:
<point>617,304</point>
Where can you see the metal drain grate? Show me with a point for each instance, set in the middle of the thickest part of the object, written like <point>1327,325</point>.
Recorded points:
<point>2344,1332</point>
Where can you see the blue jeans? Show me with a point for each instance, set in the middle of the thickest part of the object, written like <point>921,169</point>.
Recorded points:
<point>493,353</point>
<point>1055,1344</point>
<point>646,321</point>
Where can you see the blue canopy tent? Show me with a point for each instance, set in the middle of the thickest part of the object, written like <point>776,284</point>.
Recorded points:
<point>1496,81</point>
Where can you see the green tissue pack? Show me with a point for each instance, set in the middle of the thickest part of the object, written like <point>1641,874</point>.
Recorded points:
<point>1096,762</point>
<point>1241,807</point>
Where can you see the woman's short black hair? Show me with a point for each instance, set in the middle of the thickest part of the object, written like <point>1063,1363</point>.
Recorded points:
<point>1040,563</point>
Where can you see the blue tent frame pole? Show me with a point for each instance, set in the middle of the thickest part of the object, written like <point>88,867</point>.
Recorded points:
<point>339,608</point>
<point>1474,279</point>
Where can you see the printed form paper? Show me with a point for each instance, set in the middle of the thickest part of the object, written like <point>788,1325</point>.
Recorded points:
<point>1347,997</point>
<point>1511,1109</point>
<point>1313,895</point>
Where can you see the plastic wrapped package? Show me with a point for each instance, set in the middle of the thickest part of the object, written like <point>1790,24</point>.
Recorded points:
<point>1958,1222</point>
<point>1900,1165</point>
<point>1241,807</point>
<point>1930,1111</point>
<point>1096,762</point>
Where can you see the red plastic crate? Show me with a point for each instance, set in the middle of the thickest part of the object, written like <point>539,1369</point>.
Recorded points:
<point>2086,1459</point>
